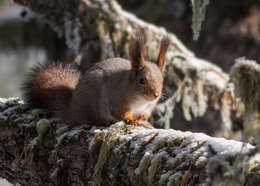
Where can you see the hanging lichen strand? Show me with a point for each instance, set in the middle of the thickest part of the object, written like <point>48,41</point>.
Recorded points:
<point>245,75</point>
<point>199,11</point>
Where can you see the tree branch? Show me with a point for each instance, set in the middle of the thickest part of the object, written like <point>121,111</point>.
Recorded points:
<point>39,150</point>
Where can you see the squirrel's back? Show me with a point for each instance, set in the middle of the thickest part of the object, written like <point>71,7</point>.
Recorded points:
<point>103,88</point>
<point>50,86</point>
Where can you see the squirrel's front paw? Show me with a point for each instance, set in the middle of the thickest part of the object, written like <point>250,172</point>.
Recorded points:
<point>146,124</point>
<point>137,123</point>
<point>132,122</point>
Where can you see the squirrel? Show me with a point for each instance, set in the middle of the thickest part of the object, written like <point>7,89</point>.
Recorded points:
<point>112,90</point>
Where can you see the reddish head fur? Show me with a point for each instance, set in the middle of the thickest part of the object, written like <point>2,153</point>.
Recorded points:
<point>136,53</point>
<point>163,49</point>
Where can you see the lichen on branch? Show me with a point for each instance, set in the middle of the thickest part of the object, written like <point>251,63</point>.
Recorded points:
<point>245,75</point>
<point>119,154</point>
<point>199,8</point>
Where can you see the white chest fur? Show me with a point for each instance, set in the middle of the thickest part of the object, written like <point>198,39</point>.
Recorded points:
<point>142,107</point>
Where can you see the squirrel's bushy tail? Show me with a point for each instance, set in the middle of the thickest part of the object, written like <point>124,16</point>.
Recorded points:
<point>50,86</point>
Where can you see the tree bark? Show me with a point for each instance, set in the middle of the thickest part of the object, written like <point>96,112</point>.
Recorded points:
<point>39,150</point>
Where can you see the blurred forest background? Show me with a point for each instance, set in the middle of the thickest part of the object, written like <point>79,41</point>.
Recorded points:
<point>231,30</point>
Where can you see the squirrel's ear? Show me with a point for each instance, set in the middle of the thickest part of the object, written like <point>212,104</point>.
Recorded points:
<point>136,52</point>
<point>163,49</point>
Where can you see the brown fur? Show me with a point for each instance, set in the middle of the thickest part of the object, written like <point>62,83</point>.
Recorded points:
<point>112,90</point>
<point>136,53</point>
<point>163,49</point>
<point>50,86</point>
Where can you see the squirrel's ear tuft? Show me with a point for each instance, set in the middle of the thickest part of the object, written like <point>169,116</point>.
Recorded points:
<point>136,52</point>
<point>163,49</point>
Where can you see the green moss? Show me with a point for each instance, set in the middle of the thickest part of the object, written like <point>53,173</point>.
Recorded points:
<point>199,144</point>
<point>217,166</point>
<point>110,140</point>
<point>154,167</point>
<point>201,162</point>
<point>164,178</point>
<point>245,75</point>
<point>24,159</point>
<point>143,166</point>
<point>42,127</point>
<point>28,157</point>
<point>175,179</point>
<point>159,145</point>
<point>178,141</point>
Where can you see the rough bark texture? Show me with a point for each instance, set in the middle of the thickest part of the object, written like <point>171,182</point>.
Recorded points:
<point>36,149</point>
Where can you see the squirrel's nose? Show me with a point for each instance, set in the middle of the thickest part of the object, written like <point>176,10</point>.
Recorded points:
<point>156,93</point>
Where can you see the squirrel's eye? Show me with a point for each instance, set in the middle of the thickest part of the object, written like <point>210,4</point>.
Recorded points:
<point>141,81</point>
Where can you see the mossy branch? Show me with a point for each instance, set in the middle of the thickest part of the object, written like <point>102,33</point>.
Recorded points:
<point>117,155</point>
<point>245,75</point>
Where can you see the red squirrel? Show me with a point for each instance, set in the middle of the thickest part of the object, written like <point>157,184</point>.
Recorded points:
<point>112,90</point>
